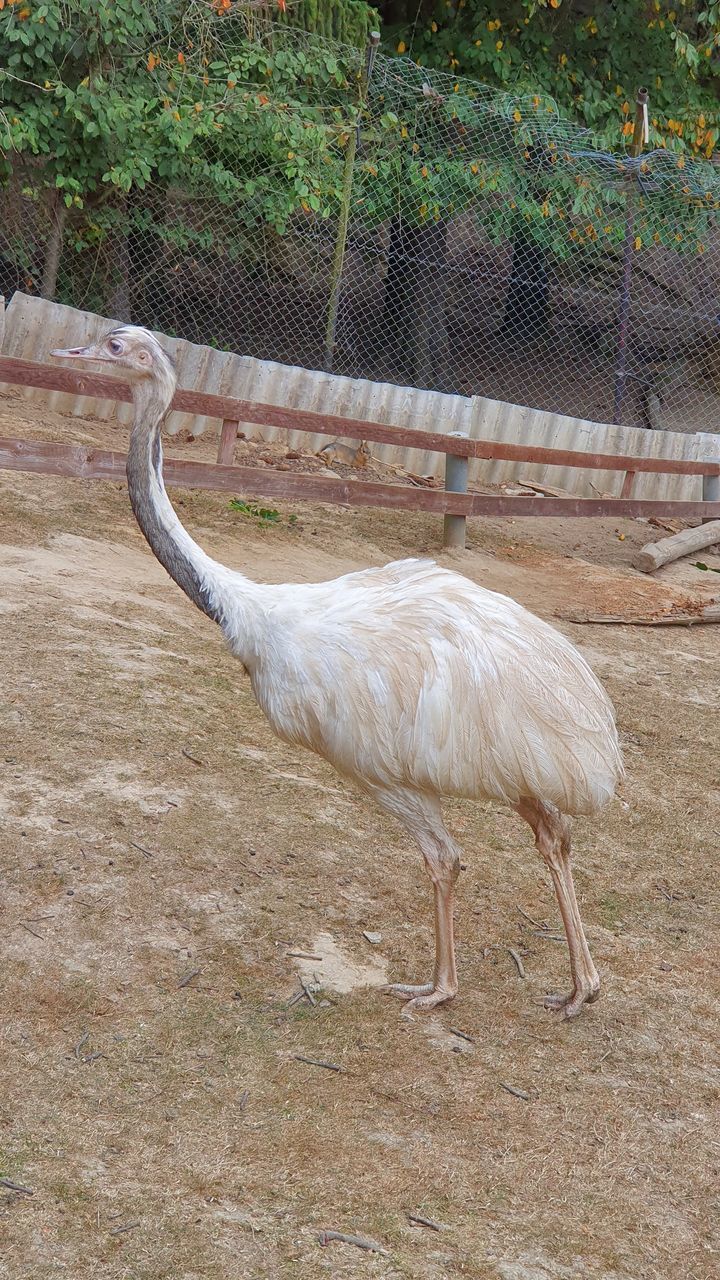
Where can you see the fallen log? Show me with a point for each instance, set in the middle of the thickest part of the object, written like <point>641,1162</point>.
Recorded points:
<point>670,526</point>
<point>711,613</point>
<point>549,489</point>
<point>680,544</point>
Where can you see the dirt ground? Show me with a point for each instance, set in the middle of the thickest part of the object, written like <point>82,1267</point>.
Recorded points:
<point>162,855</point>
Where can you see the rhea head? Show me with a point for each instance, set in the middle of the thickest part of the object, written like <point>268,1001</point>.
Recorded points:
<point>135,352</point>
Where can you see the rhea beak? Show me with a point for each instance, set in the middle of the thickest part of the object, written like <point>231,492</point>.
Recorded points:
<point>78,353</point>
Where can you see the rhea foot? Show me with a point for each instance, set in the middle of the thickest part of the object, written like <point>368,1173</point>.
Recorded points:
<point>572,1004</point>
<point>421,998</point>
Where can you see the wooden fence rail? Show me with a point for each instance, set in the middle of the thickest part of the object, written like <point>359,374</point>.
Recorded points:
<point>90,463</point>
<point>49,458</point>
<point>30,373</point>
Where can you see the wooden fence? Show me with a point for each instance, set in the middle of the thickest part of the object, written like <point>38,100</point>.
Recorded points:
<point>455,503</point>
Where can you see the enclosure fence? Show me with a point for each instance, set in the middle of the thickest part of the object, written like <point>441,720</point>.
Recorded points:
<point>348,211</point>
<point>455,502</point>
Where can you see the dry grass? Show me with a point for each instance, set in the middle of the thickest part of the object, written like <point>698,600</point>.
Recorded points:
<point>181,1112</point>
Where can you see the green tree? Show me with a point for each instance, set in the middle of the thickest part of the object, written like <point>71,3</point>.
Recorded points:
<point>589,57</point>
<point>558,66</point>
<point>87,134</point>
<point>347,21</point>
<point>106,104</point>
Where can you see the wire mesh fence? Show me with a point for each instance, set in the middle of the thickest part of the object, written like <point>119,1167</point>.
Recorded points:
<point>343,210</point>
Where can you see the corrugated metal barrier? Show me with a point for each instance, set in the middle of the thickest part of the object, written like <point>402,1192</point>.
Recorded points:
<point>33,326</point>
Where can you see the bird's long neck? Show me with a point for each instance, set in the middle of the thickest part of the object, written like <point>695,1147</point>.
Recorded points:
<point>224,596</point>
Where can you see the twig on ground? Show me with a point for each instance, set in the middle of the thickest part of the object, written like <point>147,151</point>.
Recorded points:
<point>129,1226</point>
<point>315,1062</point>
<point>517,1093</point>
<point>34,932</point>
<point>308,993</point>
<point>524,914</point>
<point>426,1222</point>
<point>550,937</point>
<point>253,870</point>
<point>82,1041</point>
<point>302,955</point>
<point>188,978</point>
<point>16,1186</point>
<point>518,962</point>
<point>669,894</point>
<point>299,995</point>
<point>141,847</point>
<point>200,763</point>
<point>454,1031</point>
<point>92,1056</point>
<point>243,1100</point>
<point>370,1245</point>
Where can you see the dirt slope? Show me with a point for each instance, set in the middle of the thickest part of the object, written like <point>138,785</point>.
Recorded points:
<point>161,854</point>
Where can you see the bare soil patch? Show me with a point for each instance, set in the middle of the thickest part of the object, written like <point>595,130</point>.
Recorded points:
<point>162,855</point>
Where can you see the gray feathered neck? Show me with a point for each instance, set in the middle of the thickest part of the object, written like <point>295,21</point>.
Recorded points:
<point>170,542</point>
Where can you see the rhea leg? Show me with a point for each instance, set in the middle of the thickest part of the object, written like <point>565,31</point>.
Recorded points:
<point>444,985</point>
<point>552,838</point>
<point>421,816</point>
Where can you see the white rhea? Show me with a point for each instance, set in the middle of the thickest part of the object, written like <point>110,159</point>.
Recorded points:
<point>411,680</point>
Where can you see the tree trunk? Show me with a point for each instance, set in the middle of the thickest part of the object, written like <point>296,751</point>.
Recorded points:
<point>147,267</point>
<point>527,304</point>
<point>406,12</point>
<point>58,214</point>
<point>119,302</point>
<point>413,321</point>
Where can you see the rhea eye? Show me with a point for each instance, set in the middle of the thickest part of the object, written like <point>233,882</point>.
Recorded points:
<point>115,346</point>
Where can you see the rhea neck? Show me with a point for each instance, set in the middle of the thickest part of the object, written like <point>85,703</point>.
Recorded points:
<point>219,592</point>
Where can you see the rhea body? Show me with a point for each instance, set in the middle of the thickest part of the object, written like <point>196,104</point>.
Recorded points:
<point>410,680</point>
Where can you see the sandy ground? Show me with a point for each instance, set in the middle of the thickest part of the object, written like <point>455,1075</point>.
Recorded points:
<point>162,855</point>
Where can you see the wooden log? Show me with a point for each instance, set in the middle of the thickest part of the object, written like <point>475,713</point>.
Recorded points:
<point>680,544</point>
<point>550,490</point>
<point>711,613</point>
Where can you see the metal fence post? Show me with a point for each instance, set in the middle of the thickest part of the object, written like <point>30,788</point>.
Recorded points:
<point>710,493</point>
<point>456,481</point>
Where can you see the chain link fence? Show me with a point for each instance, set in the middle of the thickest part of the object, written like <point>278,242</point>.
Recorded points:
<point>361,214</point>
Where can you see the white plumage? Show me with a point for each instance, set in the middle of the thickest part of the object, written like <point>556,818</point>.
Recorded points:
<point>411,680</point>
<point>412,675</point>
